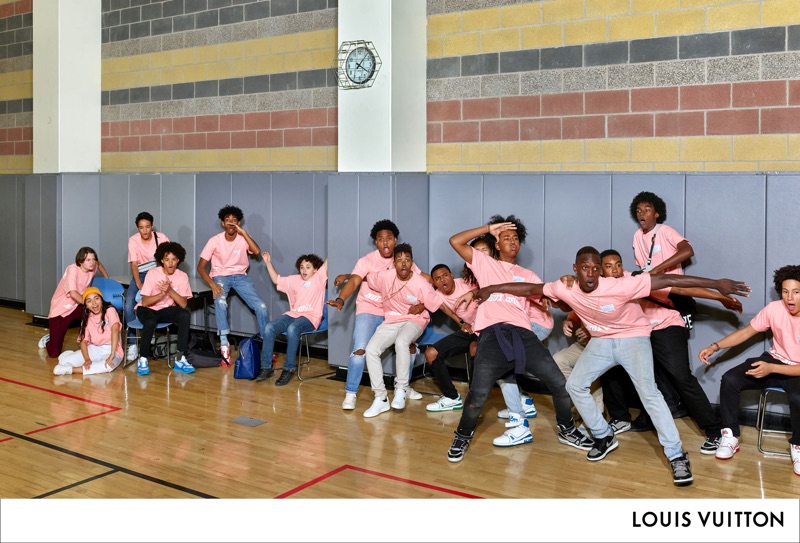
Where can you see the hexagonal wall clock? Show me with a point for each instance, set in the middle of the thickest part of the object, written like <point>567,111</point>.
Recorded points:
<point>358,64</point>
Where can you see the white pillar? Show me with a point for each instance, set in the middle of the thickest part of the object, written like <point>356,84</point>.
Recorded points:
<point>67,44</point>
<point>383,128</point>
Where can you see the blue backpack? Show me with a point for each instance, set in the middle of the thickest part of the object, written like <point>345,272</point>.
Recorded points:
<point>248,363</point>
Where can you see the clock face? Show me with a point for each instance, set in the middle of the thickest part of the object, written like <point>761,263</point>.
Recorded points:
<point>360,65</point>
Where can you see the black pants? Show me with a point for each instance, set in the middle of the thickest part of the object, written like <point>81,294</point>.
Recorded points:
<point>491,364</point>
<point>173,314</point>
<point>455,344</point>
<point>735,380</point>
<point>671,354</point>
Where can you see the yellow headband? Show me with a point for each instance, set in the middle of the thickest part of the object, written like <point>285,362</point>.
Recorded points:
<point>91,290</point>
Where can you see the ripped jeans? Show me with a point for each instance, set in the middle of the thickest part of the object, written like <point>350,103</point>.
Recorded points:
<point>243,286</point>
<point>365,326</point>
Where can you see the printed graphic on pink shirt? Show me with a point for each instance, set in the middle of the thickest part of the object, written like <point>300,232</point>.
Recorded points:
<point>180,284</point>
<point>398,296</point>
<point>665,246</point>
<point>62,303</point>
<point>661,317</point>
<point>226,257</point>
<point>141,252</point>
<point>96,334</point>
<point>467,314</point>
<point>369,300</point>
<point>306,298</point>
<point>611,310</point>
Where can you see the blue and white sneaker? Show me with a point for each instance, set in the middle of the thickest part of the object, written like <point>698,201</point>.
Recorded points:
<point>143,368</point>
<point>182,365</point>
<point>43,341</point>
<point>527,405</point>
<point>518,433</point>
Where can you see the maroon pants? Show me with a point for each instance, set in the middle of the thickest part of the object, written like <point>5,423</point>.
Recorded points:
<point>58,329</point>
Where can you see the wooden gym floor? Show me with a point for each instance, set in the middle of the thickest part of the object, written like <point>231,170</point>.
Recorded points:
<point>170,435</point>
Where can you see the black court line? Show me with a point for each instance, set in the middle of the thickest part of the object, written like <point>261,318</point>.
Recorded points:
<point>73,485</point>
<point>108,465</point>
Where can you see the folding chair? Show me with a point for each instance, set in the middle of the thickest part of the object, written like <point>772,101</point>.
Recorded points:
<point>137,325</point>
<point>304,337</point>
<point>760,415</point>
<point>111,290</point>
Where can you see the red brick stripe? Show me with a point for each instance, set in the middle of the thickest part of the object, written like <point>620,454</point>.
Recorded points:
<point>16,8</point>
<point>16,141</point>
<point>294,128</point>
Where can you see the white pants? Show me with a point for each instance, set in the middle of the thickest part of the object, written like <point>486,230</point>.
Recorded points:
<point>98,354</point>
<point>402,334</point>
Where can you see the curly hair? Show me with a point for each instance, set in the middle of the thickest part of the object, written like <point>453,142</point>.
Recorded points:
<point>404,248</point>
<point>784,274</point>
<point>384,224</point>
<point>170,247</point>
<point>312,259</point>
<point>652,199</point>
<point>144,215</point>
<point>82,253</point>
<point>230,210</point>
<point>488,240</point>
<point>522,232</point>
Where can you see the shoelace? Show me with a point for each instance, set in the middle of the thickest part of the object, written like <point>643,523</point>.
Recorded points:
<point>680,464</point>
<point>459,444</point>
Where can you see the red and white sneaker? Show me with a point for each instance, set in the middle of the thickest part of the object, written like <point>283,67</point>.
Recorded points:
<point>728,445</point>
<point>795,452</point>
<point>226,355</point>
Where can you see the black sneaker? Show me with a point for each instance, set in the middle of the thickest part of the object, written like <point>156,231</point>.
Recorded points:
<point>619,426</point>
<point>458,449</point>
<point>681,470</point>
<point>710,445</point>
<point>574,438</point>
<point>286,376</point>
<point>602,447</point>
<point>265,374</point>
<point>642,423</point>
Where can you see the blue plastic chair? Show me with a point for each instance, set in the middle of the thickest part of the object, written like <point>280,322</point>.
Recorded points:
<point>137,325</point>
<point>111,290</point>
<point>304,338</point>
<point>760,415</point>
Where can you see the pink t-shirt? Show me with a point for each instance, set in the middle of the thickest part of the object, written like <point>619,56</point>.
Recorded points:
<point>537,314</point>
<point>399,296</point>
<point>610,310</point>
<point>666,245</point>
<point>661,317</point>
<point>785,331</point>
<point>460,287</point>
<point>226,257</point>
<point>140,251</point>
<point>180,283</point>
<point>74,278</point>
<point>501,307</point>
<point>95,336</point>
<point>306,298</point>
<point>369,300</point>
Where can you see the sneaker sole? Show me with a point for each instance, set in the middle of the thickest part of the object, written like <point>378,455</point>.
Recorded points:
<point>398,407</point>
<point>608,450</point>
<point>527,416</point>
<point>143,372</point>
<point>520,442</point>
<point>346,407</point>
<point>366,416</point>
<point>455,460</point>
<point>709,452</point>
<point>571,444</point>
<point>683,482</point>
<point>459,408</point>
<point>182,370</point>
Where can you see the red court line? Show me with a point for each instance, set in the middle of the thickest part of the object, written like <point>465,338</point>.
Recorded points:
<point>377,474</point>
<point>110,408</point>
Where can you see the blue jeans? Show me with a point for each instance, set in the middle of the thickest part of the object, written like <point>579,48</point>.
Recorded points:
<point>292,327</point>
<point>635,355</point>
<point>365,326</point>
<point>509,387</point>
<point>245,289</point>
<point>130,302</point>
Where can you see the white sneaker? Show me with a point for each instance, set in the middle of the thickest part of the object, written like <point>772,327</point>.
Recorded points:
<point>43,341</point>
<point>445,404</point>
<point>225,350</point>
<point>519,432</point>
<point>143,368</point>
<point>62,369</point>
<point>349,402</point>
<point>527,404</point>
<point>399,401</point>
<point>412,394</point>
<point>133,352</point>
<point>728,445</point>
<point>380,405</point>
<point>794,450</point>
<point>183,366</point>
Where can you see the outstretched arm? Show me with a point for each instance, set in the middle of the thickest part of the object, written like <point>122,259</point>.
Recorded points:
<point>522,290</point>
<point>273,273</point>
<point>684,253</point>
<point>731,340</point>
<point>727,301</point>
<point>349,288</point>
<point>724,286</point>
